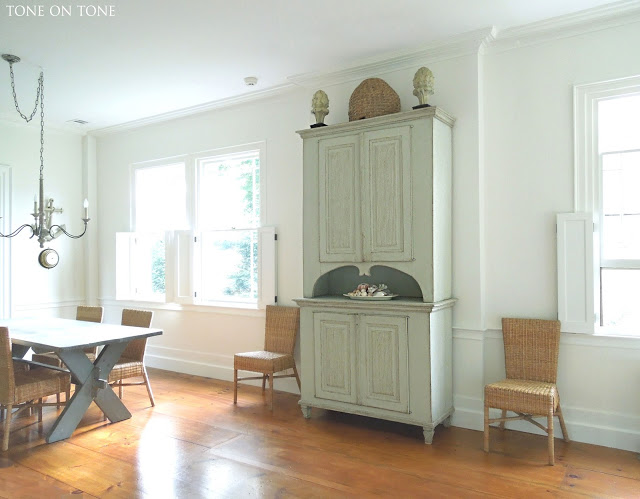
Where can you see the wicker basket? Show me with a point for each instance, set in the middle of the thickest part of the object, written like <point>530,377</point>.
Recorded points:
<point>373,97</point>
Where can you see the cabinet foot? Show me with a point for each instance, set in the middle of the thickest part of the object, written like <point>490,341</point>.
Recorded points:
<point>306,411</point>
<point>427,431</point>
<point>447,422</point>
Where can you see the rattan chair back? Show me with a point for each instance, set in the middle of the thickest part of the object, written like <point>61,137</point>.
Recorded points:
<point>531,349</point>
<point>7,381</point>
<point>89,314</point>
<point>281,328</point>
<point>137,318</point>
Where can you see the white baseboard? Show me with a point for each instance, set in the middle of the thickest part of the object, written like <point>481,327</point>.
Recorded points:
<point>620,431</point>
<point>206,365</point>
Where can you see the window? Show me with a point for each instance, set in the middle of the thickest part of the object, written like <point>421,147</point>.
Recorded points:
<point>619,160</point>
<point>199,236</point>
<point>599,244</point>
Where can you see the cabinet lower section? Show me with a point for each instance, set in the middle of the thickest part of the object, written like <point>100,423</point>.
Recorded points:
<point>389,361</point>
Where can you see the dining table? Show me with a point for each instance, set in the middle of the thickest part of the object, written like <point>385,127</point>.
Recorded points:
<point>68,338</point>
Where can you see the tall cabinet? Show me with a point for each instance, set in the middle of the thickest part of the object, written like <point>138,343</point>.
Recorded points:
<point>377,209</point>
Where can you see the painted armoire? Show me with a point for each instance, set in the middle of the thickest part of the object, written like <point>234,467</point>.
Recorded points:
<point>377,210</point>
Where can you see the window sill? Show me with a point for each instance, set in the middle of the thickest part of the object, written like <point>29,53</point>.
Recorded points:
<point>612,332</point>
<point>243,309</point>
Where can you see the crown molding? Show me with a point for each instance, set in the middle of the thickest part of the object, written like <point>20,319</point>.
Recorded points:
<point>449,48</point>
<point>586,21</point>
<point>193,110</point>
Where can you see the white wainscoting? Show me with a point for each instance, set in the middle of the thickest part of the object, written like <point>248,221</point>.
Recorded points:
<point>597,380</point>
<point>65,309</point>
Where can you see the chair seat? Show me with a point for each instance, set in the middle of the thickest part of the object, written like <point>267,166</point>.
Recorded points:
<point>126,368</point>
<point>263,361</point>
<point>518,395</point>
<point>50,359</point>
<point>38,383</point>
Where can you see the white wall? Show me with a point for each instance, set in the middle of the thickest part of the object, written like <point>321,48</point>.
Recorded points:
<point>513,170</point>
<point>528,126</point>
<point>36,291</point>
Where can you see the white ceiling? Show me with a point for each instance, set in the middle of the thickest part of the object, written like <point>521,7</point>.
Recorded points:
<point>159,56</point>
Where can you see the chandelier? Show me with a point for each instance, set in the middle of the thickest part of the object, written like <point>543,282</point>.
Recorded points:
<point>42,227</point>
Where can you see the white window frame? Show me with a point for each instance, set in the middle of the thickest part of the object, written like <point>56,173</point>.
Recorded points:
<point>182,248</point>
<point>585,221</point>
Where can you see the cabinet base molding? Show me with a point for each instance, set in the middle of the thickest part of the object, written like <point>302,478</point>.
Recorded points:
<point>428,429</point>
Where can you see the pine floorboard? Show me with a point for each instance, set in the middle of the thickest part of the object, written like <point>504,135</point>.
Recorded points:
<point>196,443</point>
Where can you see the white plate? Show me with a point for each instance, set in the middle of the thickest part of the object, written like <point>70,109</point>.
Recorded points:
<point>371,298</point>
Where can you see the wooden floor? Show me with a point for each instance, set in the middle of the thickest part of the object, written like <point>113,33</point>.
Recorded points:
<point>196,443</point>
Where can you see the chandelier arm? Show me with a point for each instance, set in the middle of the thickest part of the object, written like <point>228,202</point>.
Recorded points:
<point>18,230</point>
<point>60,228</point>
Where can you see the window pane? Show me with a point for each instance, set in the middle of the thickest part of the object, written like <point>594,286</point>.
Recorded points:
<point>229,191</point>
<point>160,198</point>
<point>620,297</point>
<point>149,266</point>
<point>618,124</point>
<point>621,205</point>
<point>230,266</point>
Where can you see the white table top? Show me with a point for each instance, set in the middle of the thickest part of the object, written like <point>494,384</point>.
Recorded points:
<point>57,335</point>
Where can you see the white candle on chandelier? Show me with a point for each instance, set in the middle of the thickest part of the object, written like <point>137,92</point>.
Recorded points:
<point>86,208</point>
<point>35,204</point>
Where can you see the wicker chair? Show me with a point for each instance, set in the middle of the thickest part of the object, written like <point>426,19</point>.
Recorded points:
<point>531,360</point>
<point>131,362</point>
<point>25,389</point>
<point>88,314</point>
<point>281,328</point>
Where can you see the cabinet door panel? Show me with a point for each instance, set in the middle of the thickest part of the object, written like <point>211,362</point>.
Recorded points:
<point>384,355</point>
<point>335,361</point>
<point>339,200</point>
<point>387,214</point>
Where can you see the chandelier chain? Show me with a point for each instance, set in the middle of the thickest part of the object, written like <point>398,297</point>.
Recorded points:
<point>15,98</point>
<point>41,92</point>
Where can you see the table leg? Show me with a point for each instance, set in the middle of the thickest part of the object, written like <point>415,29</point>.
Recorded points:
<point>91,385</point>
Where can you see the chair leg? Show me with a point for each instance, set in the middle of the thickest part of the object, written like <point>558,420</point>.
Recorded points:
<point>550,438</point>
<point>7,425</point>
<point>271,389</point>
<point>68,394</point>
<point>486,428</point>
<point>504,415</point>
<point>264,381</point>
<point>40,401</point>
<point>58,403</point>
<point>235,386</point>
<point>563,427</point>
<point>295,371</point>
<point>145,376</point>
<point>120,387</point>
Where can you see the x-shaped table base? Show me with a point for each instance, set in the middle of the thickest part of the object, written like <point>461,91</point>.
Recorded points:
<point>91,386</point>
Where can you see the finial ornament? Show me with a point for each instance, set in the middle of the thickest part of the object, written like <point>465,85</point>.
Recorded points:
<point>423,86</point>
<point>319,107</point>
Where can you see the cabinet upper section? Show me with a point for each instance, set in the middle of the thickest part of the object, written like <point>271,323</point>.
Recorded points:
<point>378,191</point>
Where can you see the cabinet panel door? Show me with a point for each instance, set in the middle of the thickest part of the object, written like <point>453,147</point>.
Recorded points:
<point>384,376</point>
<point>339,200</point>
<point>334,356</point>
<point>387,213</point>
